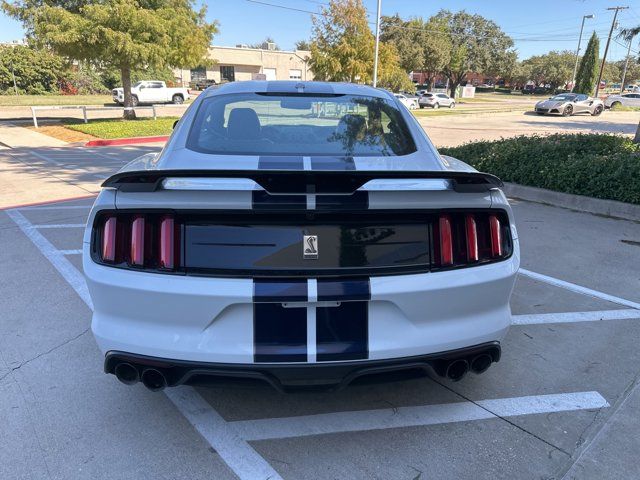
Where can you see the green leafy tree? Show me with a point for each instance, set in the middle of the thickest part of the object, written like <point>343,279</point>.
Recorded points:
<point>553,68</point>
<point>302,45</point>
<point>476,45</point>
<point>629,34</point>
<point>587,75</point>
<point>342,48</point>
<point>342,43</point>
<point>37,71</point>
<point>125,34</point>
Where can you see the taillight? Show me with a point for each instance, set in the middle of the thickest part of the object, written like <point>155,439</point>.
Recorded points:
<point>446,244</point>
<point>109,240</point>
<point>465,238</point>
<point>150,241</point>
<point>496,236</point>
<point>472,238</point>
<point>167,243</point>
<point>137,241</point>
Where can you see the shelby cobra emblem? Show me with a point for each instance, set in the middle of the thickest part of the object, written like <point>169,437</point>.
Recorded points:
<point>310,247</point>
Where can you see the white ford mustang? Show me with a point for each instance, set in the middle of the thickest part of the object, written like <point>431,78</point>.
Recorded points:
<point>299,233</point>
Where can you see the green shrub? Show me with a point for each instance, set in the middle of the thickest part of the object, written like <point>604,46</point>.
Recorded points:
<point>596,165</point>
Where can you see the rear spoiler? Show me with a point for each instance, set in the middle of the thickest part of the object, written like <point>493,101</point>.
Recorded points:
<point>305,181</point>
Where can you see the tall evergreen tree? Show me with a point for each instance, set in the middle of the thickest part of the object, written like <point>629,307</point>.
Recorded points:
<point>588,70</point>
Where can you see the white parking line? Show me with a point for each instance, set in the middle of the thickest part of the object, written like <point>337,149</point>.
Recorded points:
<point>579,289</point>
<point>58,207</point>
<point>365,420</point>
<point>57,259</point>
<point>245,462</point>
<point>59,225</point>
<point>71,252</point>
<point>236,452</point>
<point>573,317</point>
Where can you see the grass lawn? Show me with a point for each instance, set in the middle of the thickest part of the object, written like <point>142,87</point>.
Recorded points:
<point>118,128</point>
<point>41,100</point>
<point>461,110</point>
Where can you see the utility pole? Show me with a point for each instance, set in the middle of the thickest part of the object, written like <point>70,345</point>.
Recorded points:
<point>575,68</point>
<point>626,65</point>
<point>375,57</point>
<point>606,49</point>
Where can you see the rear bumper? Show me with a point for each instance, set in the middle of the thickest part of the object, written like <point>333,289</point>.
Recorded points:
<point>284,377</point>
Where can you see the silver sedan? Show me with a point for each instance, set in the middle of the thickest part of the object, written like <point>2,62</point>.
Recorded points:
<point>567,104</point>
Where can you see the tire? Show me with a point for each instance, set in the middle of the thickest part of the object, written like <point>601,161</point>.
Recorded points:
<point>177,99</point>
<point>597,111</point>
<point>421,106</point>
<point>436,106</point>
<point>452,105</point>
<point>134,101</point>
<point>568,111</point>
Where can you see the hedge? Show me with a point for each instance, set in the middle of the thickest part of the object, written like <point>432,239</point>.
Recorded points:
<point>596,165</point>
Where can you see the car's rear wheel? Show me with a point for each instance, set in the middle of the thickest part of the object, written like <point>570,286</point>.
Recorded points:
<point>452,105</point>
<point>436,105</point>
<point>134,101</point>
<point>177,99</point>
<point>597,111</point>
<point>568,111</point>
<point>421,106</point>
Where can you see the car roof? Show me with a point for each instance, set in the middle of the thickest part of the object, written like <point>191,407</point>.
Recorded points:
<point>286,86</point>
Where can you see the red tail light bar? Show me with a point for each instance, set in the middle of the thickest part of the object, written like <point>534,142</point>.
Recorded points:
<point>149,241</point>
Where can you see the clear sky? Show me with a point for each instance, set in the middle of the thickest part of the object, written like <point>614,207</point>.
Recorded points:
<point>536,26</point>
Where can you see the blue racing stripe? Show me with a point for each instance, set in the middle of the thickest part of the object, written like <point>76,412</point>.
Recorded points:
<point>280,163</point>
<point>342,333</point>
<point>344,290</point>
<point>261,200</point>
<point>356,201</point>
<point>332,163</point>
<point>268,290</point>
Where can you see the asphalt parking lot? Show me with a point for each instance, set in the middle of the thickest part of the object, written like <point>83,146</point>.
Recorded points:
<point>563,402</point>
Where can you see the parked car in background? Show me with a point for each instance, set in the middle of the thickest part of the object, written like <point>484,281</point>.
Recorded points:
<point>410,102</point>
<point>152,91</point>
<point>623,100</point>
<point>202,84</point>
<point>567,104</point>
<point>632,88</point>
<point>436,100</point>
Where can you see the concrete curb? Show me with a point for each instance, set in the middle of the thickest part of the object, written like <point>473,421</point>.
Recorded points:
<point>126,141</point>
<point>608,208</point>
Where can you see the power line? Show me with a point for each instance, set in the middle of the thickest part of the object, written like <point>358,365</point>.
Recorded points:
<point>606,48</point>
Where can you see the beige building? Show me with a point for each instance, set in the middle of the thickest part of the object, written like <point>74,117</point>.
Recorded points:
<point>243,63</point>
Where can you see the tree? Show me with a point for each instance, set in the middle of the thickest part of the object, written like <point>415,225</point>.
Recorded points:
<point>629,34</point>
<point>553,68</point>
<point>121,33</point>
<point>476,45</point>
<point>264,45</point>
<point>37,71</point>
<point>302,45</point>
<point>342,43</point>
<point>342,48</point>
<point>588,70</point>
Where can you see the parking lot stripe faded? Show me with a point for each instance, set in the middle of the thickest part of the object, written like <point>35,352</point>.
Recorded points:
<point>366,420</point>
<point>573,317</point>
<point>579,289</point>
<point>71,252</point>
<point>245,462</point>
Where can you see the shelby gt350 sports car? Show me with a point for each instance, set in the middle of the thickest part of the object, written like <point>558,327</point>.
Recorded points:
<point>299,233</point>
<point>567,104</point>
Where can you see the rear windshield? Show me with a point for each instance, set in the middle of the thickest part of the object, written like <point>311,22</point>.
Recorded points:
<point>335,125</point>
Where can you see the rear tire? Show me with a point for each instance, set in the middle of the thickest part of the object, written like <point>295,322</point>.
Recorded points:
<point>568,111</point>
<point>134,101</point>
<point>421,106</point>
<point>177,99</point>
<point>436,106</point>
<point>452,105</point>
<point>597,111</point>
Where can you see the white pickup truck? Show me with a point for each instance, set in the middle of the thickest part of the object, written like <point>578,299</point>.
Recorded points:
<point>152,91</point>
